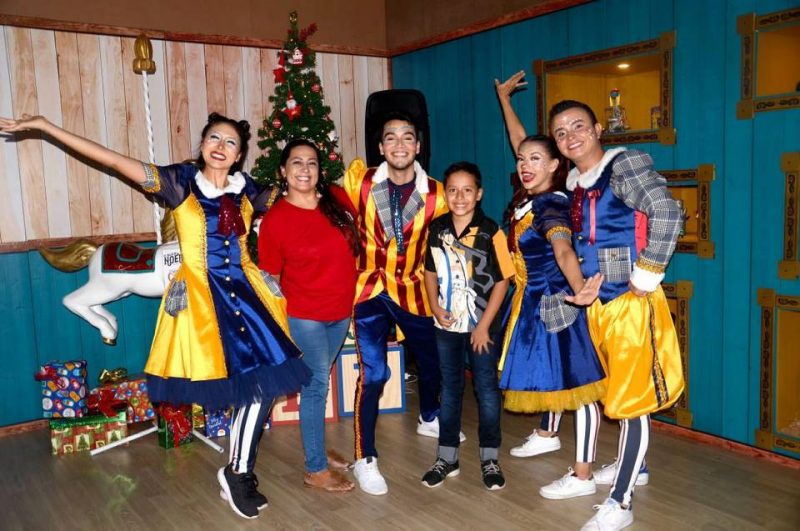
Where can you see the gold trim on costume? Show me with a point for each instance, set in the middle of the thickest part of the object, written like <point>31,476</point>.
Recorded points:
<point>648,265</point>
<point>562,232</point>
<point>152,184</point>
<point>520,281</point>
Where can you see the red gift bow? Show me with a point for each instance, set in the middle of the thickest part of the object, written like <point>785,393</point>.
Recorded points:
<point>175,417</point>
<point>48,373</point>
<point>105,401</point>
<point>230,218</point>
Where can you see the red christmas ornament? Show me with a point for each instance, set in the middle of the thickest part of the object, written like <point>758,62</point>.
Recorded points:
<point>279,74</point>
<point>292,109</point>
<point>293,113</point>
<point>276,123</point>
<point>332,156</point>
<point>315,87</point>
<point>281,58</point>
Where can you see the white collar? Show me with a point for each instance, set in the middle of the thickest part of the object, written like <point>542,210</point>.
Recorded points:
<point>235,184</point>
<point>526,207</point>
<point>587,179</point>
<point>420,177</point>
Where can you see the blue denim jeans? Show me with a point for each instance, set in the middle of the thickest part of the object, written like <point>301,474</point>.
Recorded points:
<point>454,349</point>
<point>320,342</point>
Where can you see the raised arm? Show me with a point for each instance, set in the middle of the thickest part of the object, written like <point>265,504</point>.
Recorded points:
<point>516,131</point>
<point>125,166</point>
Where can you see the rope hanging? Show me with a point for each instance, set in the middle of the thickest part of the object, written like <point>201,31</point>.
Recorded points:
<point>143,64</point>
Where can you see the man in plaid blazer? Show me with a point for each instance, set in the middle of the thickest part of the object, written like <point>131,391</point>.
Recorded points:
<point>625,225</point>
<point>394,205</point>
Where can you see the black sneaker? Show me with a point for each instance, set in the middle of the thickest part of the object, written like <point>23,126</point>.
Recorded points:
<point>239,489</point>
<point>440,470</point>
<point>259,499</point>
<point>492,475</point>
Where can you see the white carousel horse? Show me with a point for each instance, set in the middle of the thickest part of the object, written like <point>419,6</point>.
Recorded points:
<point>116,270</point>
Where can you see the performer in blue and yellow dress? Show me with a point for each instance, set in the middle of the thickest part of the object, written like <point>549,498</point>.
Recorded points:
<point>548,361</point>
<point>222,335</point>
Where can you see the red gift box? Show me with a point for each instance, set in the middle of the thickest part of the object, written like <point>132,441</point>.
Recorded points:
<point>132,390</point>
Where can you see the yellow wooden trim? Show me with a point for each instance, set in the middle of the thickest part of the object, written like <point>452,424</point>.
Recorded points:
<point>684,417</point>
<point>667,40</point>
<point>706,172</point>
<point>766,297</point>
<point>790,161</point>
<point>746,24</point>
<point>706,250</point>
<point>685,289</point>
<point>667,136</point>
<point>764,439</point>
<point>745,109</point>
<point>789,266</point>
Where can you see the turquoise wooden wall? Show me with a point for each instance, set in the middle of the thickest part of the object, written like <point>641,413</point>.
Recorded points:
<point>747,196</point>
<point>35,328</point>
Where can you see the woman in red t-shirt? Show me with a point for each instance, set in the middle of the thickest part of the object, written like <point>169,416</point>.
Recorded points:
<point>308,241</point>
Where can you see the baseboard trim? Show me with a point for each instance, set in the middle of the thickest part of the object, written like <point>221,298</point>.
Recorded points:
<point>24,427</point>
<point>727,444</point>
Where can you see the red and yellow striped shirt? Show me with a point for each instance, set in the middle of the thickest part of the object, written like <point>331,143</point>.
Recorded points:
<point>380,266</point>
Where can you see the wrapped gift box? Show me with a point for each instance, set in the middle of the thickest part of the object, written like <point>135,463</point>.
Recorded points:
<point>393,399</point>
<point>212,423</point>
<point>172,419</point>
<point>133,390</point>
<point>218,423</point>
<point>287,408</point>
<point>87,433</point>
<point>63,389</point>
<point>198,417</point>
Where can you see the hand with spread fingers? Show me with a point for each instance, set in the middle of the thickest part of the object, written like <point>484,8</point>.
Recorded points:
<point>588,293</point>
<point>510,85</point>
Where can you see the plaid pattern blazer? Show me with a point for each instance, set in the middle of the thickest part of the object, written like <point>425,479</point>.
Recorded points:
<point>380,266</point>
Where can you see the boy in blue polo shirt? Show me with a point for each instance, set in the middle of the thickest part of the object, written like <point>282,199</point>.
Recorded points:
<point>467,268</point>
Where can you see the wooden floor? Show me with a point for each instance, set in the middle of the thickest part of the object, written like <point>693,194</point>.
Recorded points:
<point>692,486</point>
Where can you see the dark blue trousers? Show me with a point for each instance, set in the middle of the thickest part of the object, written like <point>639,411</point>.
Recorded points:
<point>372,320</point>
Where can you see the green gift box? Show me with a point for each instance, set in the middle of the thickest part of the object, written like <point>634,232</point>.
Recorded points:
<point>70,435</point>
<point>172,420</point>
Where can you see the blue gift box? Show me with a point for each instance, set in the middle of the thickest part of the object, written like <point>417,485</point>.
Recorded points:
<point>63,389</point>
<point>218,423</point>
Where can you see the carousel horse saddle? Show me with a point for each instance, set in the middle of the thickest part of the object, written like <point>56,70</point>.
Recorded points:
<point>124,257</point>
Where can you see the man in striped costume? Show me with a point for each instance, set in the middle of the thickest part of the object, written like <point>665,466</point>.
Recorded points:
<point>394,203</point>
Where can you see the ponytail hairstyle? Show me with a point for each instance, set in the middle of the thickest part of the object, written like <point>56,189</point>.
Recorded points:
<point>338,216</point>
<point>242,128</point>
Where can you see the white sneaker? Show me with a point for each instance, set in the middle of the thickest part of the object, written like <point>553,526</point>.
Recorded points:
<point>568,486</point>
<point>369,477</point>
<point>605,476</point>
<point>431,429</point>
<point>610,517</point>
<point>535,444</point>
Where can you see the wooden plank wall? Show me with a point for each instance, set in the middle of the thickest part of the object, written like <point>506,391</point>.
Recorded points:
<point>747,195</point>
<point>86,84</point>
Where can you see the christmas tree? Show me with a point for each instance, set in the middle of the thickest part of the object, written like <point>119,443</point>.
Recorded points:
<point>298,110</point>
